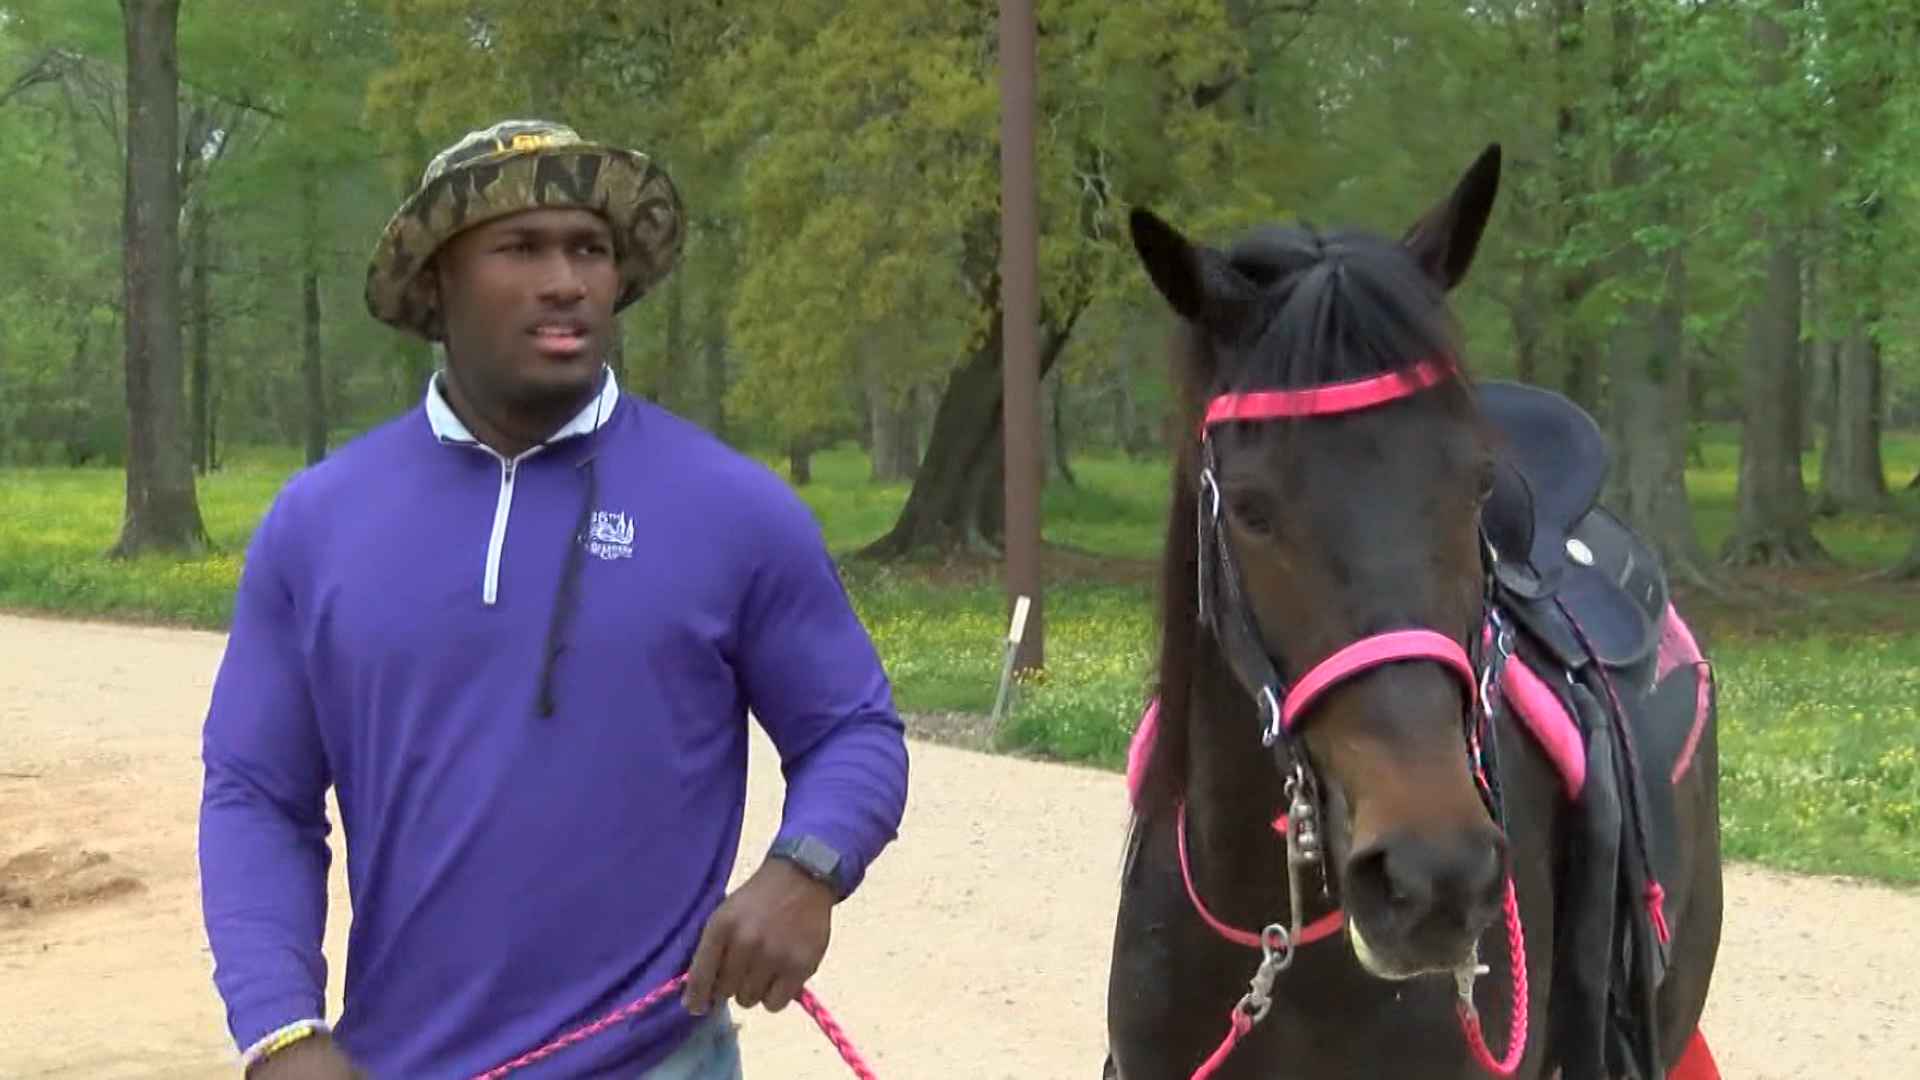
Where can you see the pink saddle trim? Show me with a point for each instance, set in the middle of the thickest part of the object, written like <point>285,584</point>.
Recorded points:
<point>1677,646</point>
<point>1543,716</point>
<point>1370,652</point>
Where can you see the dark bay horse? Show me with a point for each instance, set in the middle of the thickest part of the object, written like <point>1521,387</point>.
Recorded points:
<point>1429,784</point>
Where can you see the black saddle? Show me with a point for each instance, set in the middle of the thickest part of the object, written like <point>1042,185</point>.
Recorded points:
<point>1556,546</point>
<point>1553,466</point>
<point>1590,599</point>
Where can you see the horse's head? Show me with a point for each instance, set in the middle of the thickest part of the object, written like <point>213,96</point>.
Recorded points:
<point>1341,564</point>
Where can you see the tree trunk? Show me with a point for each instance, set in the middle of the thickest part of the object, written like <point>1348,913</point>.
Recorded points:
<point>1581,383</point>
<point>1853,477</point>
<point>81,441</point>
<point>200,327</point>
<point>1816,355</point>
<point>1907,567</point>
<point>162,509</point>
<point>1649,407</point>
<point>713,368</point>
<point>1053,434</point>
<point>1572,155</point>
<point>800,460</point>
<point>313,373</point>
<point>892,435</point>
<point>1529,324</point>
<point>957,500</point>
<point>1125,410</point>
<point>1647,356</point>
<point>1771,520</point>
<point>669,373</point>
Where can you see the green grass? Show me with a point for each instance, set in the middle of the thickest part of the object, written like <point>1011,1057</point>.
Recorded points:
<point>1820,702</point>
<point>1818,770</point>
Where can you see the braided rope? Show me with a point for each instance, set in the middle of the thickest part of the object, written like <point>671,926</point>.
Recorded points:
<point>807,1001</point>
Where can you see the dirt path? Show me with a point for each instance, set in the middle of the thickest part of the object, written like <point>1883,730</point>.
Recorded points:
<point>1008,868</point>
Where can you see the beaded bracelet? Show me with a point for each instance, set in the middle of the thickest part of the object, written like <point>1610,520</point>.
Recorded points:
<point>275,1041</point>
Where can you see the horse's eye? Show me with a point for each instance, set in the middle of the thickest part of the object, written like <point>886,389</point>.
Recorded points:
<point>1251,511</point>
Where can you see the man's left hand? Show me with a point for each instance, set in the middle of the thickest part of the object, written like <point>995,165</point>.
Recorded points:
<point>763,943</point>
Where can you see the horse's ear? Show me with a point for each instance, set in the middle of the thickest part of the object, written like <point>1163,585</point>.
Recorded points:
<point>1446,237</point>
<point>1171,261</point>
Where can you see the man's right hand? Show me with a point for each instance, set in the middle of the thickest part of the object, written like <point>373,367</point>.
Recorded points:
<point>312,1058</point>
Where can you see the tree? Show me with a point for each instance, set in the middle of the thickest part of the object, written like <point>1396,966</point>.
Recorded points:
<point>1772,525</point>
<point>1647,354</point>
<point>1868,165</point>
<point>162,508</point>
<point>869,191</point>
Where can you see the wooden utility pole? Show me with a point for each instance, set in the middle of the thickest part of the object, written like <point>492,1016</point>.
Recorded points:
<point>1020,315</point>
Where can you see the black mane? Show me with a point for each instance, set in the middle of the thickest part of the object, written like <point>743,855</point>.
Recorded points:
<point>1308,307</point>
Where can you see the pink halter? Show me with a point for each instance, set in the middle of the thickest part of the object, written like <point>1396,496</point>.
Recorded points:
<point>1376,649</point>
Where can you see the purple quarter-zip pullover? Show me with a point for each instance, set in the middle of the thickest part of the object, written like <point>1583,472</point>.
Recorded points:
<point>514,875</point>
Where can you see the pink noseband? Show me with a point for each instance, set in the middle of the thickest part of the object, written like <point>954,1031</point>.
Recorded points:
<point>1370,652</point>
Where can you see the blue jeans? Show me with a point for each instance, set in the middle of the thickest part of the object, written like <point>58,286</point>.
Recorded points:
<point>712,1052</point>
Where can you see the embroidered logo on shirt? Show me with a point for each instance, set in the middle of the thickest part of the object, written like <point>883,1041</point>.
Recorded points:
<point>610,535</point>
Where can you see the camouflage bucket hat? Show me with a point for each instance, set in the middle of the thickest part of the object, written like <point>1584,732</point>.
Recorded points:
<point>519,165</point>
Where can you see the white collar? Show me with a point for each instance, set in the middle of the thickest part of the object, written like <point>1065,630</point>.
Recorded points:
<point>591,417</point>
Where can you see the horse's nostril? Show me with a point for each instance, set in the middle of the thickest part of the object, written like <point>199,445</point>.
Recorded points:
<point>1403,881</point>
<point>1385,884</point>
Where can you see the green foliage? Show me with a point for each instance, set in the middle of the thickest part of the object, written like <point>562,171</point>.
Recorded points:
<point>1818,705</point>
<point>866,139</point>
<point>840,162</point>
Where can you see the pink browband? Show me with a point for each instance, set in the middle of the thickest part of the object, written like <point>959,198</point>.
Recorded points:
<point>1369,652</point>
<point>1325,400</point>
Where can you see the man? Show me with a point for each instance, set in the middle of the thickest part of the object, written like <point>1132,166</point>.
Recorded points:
<point>518,630</point>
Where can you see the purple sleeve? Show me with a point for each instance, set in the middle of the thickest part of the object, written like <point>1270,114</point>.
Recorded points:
<point>816,684</point>
<point>263,822</point>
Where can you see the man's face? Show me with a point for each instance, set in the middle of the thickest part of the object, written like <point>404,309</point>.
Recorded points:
<point>527,308</point>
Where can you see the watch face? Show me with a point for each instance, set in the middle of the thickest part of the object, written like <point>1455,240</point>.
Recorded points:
<point>820,855</point>
<point>814,856</point>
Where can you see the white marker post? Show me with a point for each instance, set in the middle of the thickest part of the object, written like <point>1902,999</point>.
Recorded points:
<point>1015,631</point>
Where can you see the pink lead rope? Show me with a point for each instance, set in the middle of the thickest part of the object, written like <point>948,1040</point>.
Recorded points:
<point>821,1017</point>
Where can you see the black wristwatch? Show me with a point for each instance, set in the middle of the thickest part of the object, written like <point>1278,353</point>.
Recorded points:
<point>815,857</point>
